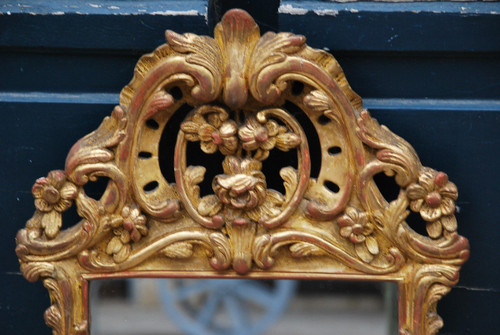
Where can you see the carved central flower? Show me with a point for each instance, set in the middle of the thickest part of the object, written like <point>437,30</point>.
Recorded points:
<point>243,185</point>
<point>264,135</point>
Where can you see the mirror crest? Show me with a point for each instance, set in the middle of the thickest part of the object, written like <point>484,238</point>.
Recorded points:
<point>284,187</point>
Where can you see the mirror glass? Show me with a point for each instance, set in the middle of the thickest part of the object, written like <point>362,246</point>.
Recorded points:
<point>241,307</point>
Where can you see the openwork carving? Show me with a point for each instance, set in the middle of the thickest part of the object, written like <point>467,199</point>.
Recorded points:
<point>242,98</point>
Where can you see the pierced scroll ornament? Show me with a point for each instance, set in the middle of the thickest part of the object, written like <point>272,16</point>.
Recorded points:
<point>242,98</point>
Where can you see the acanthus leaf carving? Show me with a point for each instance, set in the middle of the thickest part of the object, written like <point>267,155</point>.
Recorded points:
<point>393,154</point>
<point>266,248</point>
<point>268,60</point>
<point>202,52</point>
<point>94,148</point>
<point>178,250</point>
<point>303,249</point>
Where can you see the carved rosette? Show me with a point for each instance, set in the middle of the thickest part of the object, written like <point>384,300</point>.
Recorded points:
<point>245,98</point>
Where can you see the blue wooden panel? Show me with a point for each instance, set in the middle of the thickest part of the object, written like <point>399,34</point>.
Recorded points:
<point>422,75</point>
<point>417,26</point>
<point>22,307</point>
<point>373,75</point>
<point>122,25</point>
<point>470,311</point>
<point>404,26</point>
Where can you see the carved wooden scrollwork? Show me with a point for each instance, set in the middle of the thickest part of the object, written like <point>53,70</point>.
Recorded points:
<point>241,99</point>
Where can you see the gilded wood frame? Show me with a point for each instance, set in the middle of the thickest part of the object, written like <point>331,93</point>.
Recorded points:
<point>236,86</point>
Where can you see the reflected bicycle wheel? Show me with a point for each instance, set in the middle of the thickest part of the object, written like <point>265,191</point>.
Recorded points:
<point>225,306</point>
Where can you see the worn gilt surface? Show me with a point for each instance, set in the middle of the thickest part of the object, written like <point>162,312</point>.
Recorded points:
<point>238,88</point>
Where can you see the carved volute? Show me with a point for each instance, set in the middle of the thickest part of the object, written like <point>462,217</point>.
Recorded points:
<point>240,99</point>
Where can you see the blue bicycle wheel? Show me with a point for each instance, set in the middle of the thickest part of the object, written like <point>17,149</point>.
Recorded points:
<point>225,306</point>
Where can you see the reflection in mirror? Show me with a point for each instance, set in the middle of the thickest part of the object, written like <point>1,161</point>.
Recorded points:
<point>241,307</point>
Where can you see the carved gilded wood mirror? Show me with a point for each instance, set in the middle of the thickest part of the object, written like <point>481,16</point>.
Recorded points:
<point>241,99</point>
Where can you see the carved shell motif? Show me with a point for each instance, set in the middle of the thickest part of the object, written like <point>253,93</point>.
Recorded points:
<point>291,156</point>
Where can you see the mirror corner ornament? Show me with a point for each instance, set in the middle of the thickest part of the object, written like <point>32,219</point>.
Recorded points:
<point>244,97</point>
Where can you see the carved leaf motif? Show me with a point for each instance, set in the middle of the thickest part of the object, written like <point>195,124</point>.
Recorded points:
<point>119,250</point>
<point>123,254</point>
<point>372,245</point>
<point>434,229</point>
<point>287,141</point>
<point>209,205</point>
<point>114,246</point>
<point>54,315</point>
<point>262,251</point>
<point>303,249</point>
<point>391,149</point>
<point>363,252</point>
<point>320,103</point>
<point>290,178</point>
<point>193,176</point>
<point>270,207</point>
<point>89,209</point>
<point>51,223</point>
<point>93,147</point>
<point>178,250</point>
<point>393,215</point>
<point>53,319</point>
<point>273,48</point>
<point>161,101</point>
<point>33,271</point>
<point>221,252</point>
<point>201,50</point>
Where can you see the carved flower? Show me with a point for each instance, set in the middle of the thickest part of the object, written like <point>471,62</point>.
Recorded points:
<point>129,226</point>
<point>355,226</point>
<point>53,195</point>
<point>54,192</point>
<point>257,136</point>
<point>434,197</point>
<point>263,137</point>
<point>243,185</point>
<point>214,132</point>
